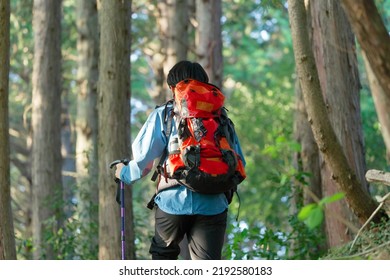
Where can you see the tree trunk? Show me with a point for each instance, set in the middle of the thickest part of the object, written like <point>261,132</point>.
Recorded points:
<point>46,124</point>
<point>209,39</point>
<point>347,181</point>
<point>87,121</point>
<point>7,236</point>
<point>333,46</point>
<point>172,27</point>
<point>172,23</point>
<point>309,157</point>
<point>114,123</point>
<point>68,158</point>
<point>306,161</point>
<point>372,36</point>
<point>382,104</point>
<point>176,34</point>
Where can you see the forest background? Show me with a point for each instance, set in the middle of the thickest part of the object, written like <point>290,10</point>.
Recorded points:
<point>84,75</point>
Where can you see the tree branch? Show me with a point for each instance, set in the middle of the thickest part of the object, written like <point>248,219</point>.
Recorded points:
<point>372,35</point>
<point>378,176</point>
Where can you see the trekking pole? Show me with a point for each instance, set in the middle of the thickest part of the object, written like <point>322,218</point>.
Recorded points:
<point>120,198</point>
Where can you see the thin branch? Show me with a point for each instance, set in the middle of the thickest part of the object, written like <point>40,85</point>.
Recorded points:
<point>365,252</point>
<point>382,202</point>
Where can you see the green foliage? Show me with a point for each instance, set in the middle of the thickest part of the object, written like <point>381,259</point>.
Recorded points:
<point>143,191</point>
<point>21,53</point>
<point>290,239</point>
<point>258,70</point>
<point>68,237</point>
<point>304,243</point>
<point>254,243</point>
<point>259,242</point>
<point>68,242</point>
<point>24,247</point>
<point>313,213</point>
<point>372,244</point>
<point>61,241</point>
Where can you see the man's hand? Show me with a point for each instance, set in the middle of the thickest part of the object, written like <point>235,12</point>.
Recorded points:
<point>118,170</point>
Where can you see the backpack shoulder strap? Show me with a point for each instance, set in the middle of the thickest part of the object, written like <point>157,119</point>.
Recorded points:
<point>168,116</point>
<point>228,126</point>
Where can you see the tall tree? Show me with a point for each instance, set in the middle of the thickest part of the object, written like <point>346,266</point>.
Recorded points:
<point>374,40</point>
<point>172,18</point>
<point>114,123</point>
<point>306,161</point>
<point>209,39</point>
<point>382,104</point>
<point>333,46</point>
<point>347,181</point>
<point>46,124</point>
<point>7,238</point>
<point>373,37</point>
<point>175,30</point>
<point>87,119</point>
<point>172,29</point>
<point>20,132</point>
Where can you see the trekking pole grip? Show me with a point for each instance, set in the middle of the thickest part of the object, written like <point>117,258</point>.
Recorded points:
<point>125,161</point>
<point>117,180</point>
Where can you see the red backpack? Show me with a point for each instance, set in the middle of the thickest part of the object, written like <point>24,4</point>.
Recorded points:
<point>202,157</point>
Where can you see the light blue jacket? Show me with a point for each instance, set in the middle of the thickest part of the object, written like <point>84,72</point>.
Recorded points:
<point>148,146</point>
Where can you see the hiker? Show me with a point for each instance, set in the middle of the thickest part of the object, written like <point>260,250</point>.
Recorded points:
<point>179,210</point>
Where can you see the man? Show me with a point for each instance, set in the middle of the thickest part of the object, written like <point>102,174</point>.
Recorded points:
<point>179,211</point>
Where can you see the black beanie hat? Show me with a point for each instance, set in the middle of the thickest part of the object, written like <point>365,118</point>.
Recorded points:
<point>186,70</point>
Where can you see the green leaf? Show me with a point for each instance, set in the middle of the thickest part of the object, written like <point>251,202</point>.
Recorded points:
<point>284,179</point>
<point>332,198</point>
<point>315,218</point>
<point>305,211</point>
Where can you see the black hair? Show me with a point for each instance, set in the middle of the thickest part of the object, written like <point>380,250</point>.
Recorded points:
<point>186,70</point>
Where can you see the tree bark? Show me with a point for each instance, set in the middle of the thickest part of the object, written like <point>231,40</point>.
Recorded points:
<point>372,36</point>
<point>172,26</point>
<point>7,237</point>
<point>378,176</point>
<point>68,158</point>
<point>382,104</point>
<point>46,123</point>
<point>307,160</point>
<point>209,39</point>
<point>172,46</point>
<point>114,124</point>
<point>333,47</point>
<point>87,121</point>
<point>357,196</point>
<point>176,34</point>
<point>308,189</point>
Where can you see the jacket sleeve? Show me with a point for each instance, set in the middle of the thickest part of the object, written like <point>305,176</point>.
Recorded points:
<point>147,146</point>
